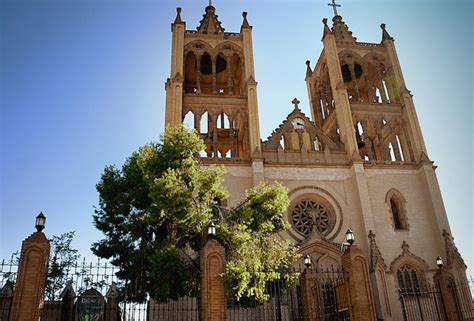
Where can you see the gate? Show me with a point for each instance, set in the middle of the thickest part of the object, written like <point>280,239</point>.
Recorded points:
<point>430,304</point>
<point>423,305</point>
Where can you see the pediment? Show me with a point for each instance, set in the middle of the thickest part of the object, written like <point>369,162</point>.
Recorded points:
<point>303,125</point>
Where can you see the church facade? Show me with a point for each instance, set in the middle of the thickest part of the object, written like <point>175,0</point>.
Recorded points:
<point>358,161</point>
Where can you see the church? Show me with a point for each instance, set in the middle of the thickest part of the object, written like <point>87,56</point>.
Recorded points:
<point>358,161</point>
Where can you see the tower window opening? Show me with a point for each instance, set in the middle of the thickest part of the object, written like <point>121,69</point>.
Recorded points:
<point>360,128</point>
<point>400,147</point>
<point>378,95</point>
<point>223,121</point>
<point>321,106</point>
<point>221,64</point>
<point>221,90</point>
<point>397,215</point>
<point>188,120</point>
<point>346,72</point>
<point>338,131</point>
<point>392,153</point>
<point>282,142</point>
<point>206,65</point>
<point>317,144</point>
<point>204,123</point>
<point>384,84</point>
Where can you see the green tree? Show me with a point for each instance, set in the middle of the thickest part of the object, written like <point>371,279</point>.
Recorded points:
<point>62,258</point>
<point>154,212</point>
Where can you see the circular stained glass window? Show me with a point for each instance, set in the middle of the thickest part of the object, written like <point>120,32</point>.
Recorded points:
<point>308,215</point>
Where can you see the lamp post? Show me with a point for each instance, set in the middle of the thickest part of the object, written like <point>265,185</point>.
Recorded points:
<point>40,222</point>
<point>350,237</point>
<point>439,262</point>
<point>211,230</point>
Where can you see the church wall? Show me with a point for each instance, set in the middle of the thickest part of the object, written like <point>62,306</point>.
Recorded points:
<point>422,232</point>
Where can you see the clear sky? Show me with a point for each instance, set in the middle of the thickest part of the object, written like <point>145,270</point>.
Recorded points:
<point>82,86</point>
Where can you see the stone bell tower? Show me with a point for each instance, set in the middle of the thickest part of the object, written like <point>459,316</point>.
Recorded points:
<point>357,90</point>
<point>212,85</point>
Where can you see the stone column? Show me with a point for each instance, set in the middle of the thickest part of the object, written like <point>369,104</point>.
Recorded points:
<point>31,278</point>
<point>213,301</point>
<point>396,150</point>
<point>214,76</point>
<point>354,81</point>
<point>367,83</point>
<point>357,277</point>
<point>230,81</point>
<point>444,284</point>
<point>198,74</point>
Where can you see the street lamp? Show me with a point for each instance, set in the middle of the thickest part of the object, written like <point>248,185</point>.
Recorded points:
<point>439,262</point>
<point>211,230</point>
<point>350,237</point>
<point>307,261</point>
<point>40,222</point>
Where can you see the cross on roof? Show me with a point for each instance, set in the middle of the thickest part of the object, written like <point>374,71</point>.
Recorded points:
<point>295,102</point>
<point>334,5</point>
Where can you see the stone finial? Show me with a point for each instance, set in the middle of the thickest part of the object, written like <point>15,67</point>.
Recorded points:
<point>178,16</point>
<point>375,254</point>
<point>245,23</point>
<point>385,34</point>
<point>405,247</point>
<point>326,29</point>
<point>309,72</point>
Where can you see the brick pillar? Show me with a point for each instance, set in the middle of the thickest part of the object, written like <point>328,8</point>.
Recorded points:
<point>444,284</point>
<point>356,275</point>
<point>308,283</point>
<point>213,301</point>
<point>31,278</point>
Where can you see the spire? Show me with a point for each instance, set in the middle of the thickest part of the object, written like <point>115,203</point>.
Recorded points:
<point>385,34</point>
<point>326,29</point>
<point>178,16</point>
<point>341,31</point>
<point>309,72</point>
<point>245,23</point>
<point>209,23</point>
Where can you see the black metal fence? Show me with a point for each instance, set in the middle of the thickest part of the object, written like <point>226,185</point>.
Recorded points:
<point>92,291</point>
<point>429,304</point>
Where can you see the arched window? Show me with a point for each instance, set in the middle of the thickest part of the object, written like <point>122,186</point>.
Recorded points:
<point>408,280</point>
<point>395,215</point>
<point>396,204</point>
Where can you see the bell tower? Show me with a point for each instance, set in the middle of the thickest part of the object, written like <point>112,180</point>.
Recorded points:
<point>357,90</point>
<point>212,85</point>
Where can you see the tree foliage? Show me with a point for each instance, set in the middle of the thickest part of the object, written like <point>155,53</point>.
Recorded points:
<point>63,257</point>
<point>154,212</point>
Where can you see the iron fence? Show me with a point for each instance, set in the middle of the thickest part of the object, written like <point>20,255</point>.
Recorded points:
<point>92,291</point>
<point>429,304</point>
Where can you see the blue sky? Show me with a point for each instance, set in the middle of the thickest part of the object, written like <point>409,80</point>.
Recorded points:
<point>82,86</point>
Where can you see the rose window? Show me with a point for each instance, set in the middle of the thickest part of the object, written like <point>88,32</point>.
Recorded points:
<point>308,215</point>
